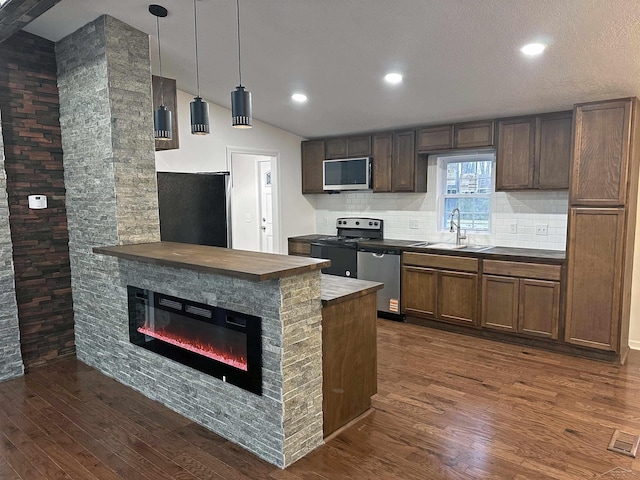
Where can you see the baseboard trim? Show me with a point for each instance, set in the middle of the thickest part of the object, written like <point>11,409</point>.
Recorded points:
<point>634,344</point>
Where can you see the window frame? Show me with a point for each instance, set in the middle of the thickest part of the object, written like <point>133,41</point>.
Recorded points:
<point>442,161</point>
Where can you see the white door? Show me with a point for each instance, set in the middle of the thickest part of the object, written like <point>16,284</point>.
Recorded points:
<point>266,207</point>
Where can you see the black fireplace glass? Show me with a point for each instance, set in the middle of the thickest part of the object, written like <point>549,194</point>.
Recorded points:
<point>217,341</point>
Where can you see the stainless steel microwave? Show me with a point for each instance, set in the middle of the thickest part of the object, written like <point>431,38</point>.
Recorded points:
<point>347,174</point>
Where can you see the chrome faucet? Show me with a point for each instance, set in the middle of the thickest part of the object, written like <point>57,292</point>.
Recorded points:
<point>452,224</point>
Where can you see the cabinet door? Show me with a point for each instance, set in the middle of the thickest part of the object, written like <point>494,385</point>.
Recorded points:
<point>382,157</point>
<point>594,264</point>
<point>539,308</point>
<point>312,158</point>
<point>419,291</point>
<point>515,154</point>
<point>404,161</point>
<point>553,151</point>
<point>435,138</point>
<point>359,146</point>
<point>473,134</point>
<point>601,154</point>
<point>457,297</point>
<point>335,148</point>
<point>500,303</point>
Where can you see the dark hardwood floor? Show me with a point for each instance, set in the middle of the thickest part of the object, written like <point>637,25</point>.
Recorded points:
<point>448,406</point>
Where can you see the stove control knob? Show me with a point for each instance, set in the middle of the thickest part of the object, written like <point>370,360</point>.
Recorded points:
<point>357,223</point>
<point>376,224</point>
<point>347,273</point>
<point>370,223</point>
<point>339,222</point>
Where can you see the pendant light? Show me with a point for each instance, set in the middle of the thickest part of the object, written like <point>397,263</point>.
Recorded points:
<point>240,98</point>
<point>162,115</point>
<point>199,108</point>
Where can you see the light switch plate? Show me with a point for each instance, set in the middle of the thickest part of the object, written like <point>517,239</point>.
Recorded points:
<point>513,227</point>
<point>413,223</point>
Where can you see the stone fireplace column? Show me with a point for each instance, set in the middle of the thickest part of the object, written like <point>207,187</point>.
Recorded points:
<point>104,82</point>
<point>10,356</point>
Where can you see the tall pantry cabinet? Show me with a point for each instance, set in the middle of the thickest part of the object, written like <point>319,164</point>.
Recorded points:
<point>602,221</point>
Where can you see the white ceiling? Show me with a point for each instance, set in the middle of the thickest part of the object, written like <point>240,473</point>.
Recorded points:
<point>460,58</point>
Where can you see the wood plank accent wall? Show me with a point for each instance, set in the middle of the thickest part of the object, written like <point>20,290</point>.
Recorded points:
<point>33,150</point>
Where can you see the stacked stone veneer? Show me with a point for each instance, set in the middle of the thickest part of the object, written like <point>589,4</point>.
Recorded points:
<point>10,357</point>
<point>104,83</point>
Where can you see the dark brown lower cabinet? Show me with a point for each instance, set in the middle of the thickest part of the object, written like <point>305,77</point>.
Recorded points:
<point>521,305</point>
<point>457,297</point>
<point>419,291</point>
<point>444,295</point>
<point>594,286</point>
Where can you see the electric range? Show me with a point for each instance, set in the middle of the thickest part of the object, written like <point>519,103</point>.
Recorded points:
<point>341,249</point>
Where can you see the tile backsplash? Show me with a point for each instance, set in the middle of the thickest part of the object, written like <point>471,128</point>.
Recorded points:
<point>524,209</point>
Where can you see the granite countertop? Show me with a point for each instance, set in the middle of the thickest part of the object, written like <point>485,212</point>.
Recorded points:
<point>478,251</point>
<point>254,266</point>
<point>337,289</point>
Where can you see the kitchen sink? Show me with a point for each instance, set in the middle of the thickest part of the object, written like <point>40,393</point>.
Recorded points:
<point>446,246</point>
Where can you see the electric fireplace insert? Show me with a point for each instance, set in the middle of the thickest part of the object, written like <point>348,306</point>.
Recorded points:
<point>213,340</point>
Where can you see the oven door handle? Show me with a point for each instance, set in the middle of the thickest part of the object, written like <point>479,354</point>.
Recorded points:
<point>378,255</point>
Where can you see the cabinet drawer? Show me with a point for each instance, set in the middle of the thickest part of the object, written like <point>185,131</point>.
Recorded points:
<point>521,269</point>
<point>440,261</point>
<point>299,248</point>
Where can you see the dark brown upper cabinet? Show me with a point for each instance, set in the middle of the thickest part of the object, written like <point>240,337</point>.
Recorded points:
<point>473,134</point>
<point>348,147</point>
<point>382,161</point>
<point>435,138</point>
<point>554,137</point>
<point>534,152</point>
<point>515,155</point>
<point>408,172</point>
<point>312,158</point>
<point>458,136</point>
<point>601,154</point>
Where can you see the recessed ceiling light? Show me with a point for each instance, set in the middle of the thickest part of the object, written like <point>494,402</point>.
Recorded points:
<point>533,48</point>
<point>299,97</point>
<point>393,78</point>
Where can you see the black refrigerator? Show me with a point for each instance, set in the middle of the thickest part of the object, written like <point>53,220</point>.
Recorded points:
<point>195,208</point>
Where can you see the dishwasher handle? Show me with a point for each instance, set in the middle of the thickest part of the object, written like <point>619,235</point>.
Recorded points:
<point>379,252</point>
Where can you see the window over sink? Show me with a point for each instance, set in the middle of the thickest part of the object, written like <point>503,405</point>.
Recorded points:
<point>466,182</point>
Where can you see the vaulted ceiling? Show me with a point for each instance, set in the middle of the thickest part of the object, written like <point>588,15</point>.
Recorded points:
<point>460,58</point>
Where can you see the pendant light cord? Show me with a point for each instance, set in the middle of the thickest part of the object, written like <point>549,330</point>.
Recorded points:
<point>195,30</point>
<point>238,16</point>
<point>160,61</point>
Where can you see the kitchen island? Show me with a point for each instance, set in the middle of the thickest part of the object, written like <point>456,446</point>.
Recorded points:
<point>281,420</point>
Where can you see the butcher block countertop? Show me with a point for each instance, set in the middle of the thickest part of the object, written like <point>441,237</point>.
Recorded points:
<point>340,289</point>
<point>255,266</point>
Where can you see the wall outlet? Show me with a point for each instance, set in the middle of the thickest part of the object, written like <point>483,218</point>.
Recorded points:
<point>513,227</point>
<point>541,228</point>
<point>413,223</point>
<point>247,218</point>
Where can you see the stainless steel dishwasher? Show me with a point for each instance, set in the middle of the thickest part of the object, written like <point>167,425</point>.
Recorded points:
<point>381,264</point>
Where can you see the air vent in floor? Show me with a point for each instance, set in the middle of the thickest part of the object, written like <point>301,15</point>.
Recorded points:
<point>624,443</point>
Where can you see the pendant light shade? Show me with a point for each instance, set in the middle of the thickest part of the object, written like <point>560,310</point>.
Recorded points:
<point>241,108</point>
<point>162,123</point>
<point>199,117</point>
<point>199,108</point>
<point>240,99</point>
<point>162,126</point>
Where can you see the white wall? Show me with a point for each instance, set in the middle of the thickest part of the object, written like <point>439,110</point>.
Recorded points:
<point>397,210</point>
<point>208,153</point>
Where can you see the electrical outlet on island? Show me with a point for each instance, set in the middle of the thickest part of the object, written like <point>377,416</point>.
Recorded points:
<point>413,223</point>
